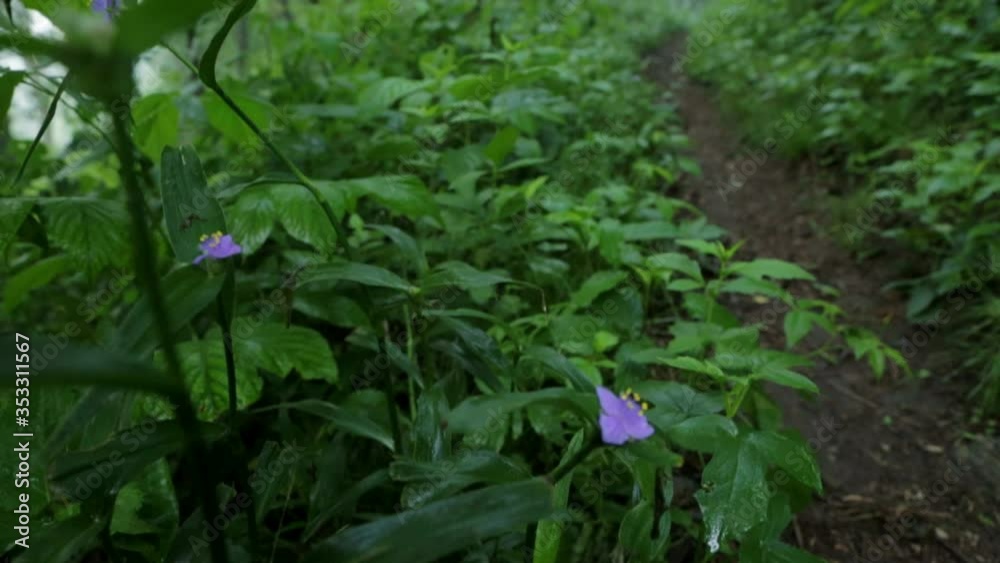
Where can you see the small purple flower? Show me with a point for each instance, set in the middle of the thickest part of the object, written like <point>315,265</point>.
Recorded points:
<point>106,7</point>
<point>623,417</point>
<point>217,246</point>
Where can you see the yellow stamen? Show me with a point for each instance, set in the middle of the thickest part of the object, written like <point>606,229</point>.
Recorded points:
<point>645,406</point>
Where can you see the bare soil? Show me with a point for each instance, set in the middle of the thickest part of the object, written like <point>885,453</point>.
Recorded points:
<point>906,481</point>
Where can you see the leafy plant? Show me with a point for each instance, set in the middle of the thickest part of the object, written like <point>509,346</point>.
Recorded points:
<point>425,236</point>
<point>900,94</point>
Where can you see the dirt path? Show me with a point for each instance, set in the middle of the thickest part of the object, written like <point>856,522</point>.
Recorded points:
<point>902,484</point>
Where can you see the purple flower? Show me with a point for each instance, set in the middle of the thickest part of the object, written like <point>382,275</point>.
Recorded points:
<point>107,7</point>
<point>217,246</point>
<point>623,417</point>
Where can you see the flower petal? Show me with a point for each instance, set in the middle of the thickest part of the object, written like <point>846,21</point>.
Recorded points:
<point>611,403</point>
<point>637,427</point>
<point>612,430</point>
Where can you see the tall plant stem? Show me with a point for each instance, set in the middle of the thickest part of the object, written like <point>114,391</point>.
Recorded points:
<point>225,320</point>
<point>145,266</point>
<point>46,121</point>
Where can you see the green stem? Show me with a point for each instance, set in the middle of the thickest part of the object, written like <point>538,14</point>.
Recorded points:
<point>51,113</point>
<point>145,266</point>
<point>410,354</point>
<point>224,325</point>
<point>75,109</point>
<point>390,392</point>
<point>224,313</point>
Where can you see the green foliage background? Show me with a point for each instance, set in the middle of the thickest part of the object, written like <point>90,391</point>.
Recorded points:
<point>453,228</point>
<point>909,109</point>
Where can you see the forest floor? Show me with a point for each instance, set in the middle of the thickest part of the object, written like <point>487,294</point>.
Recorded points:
<point>905,480</point>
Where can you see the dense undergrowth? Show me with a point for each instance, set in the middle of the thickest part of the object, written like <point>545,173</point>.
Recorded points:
<point>902,95</point>
<point>450,232</point>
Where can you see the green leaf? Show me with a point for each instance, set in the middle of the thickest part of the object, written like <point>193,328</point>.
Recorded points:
<point>63,541</point>
<point>687,363</point>
<point>301,216</point>
<point>203,364</point>
<point>336,310</point>
<point>501,145</point>
<point>341,418</point>
<point>125,517</point>
<point>252,219</point>
<point>364,274</point>
<point>754,286</point>
<point>797,325</point>
<point>595,285</point>
<point>280,349</point>
<point>707,433</point>
<point>273,470</point>
<point>33,277</point>
<point>676,262</point>
<point>655,451</point>
<point>185,547</point>
<point>634,535</point>
<point>82,366</point>
<point>188,210</point>
<point>734,495</point>
<point>406,195</point>
<point>446,477</point>
<point>187,291</point>
<point>558,364</point>
<point>604,341</point>
<point>384,92</point>
<point>703,307</point>
<point>482,411</point>
<point>206,70</point>
<point>770,268</point>
<point>345,500</point>
<point>157,120</point>
<point>476,344</point>
<point>649,230</point>
<point>703,247</point>
<point>147,505</point>
<point>232,127</point>
<point>407,245</point>
<point>94,232</point>
<point>786,377</point>
<point>464,276</point>
<point>675,402</point>
<point>119,460</point>
<point>430,435</point>
<point>548,535</point>
<point>8,82</point>
<point>790,453</point>
<point>440,528</point>
<point>144,25</point>
<point>920,299</point>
